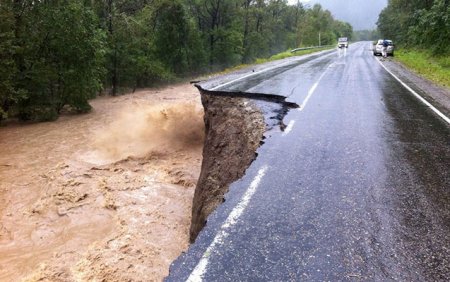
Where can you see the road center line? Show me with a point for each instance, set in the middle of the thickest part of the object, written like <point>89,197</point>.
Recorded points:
<point>291,124</point>
<point>313,88</point>
<point>200,269</point>
<point>288,128</point>
<point>439,113</point>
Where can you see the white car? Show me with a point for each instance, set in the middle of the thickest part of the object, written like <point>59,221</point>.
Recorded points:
<point>378,48</point>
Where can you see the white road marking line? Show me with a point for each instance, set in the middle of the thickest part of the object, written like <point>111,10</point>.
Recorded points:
<point>310,92</point>
<point>291,124</point>
<point>261,71</point>
<point>313,88</point>
<point>247,76</point>
<point>288,128</point>
<point>439,113</point>
<point>200,270</point>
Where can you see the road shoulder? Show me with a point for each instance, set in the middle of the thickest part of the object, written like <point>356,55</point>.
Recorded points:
<point>437,95</point>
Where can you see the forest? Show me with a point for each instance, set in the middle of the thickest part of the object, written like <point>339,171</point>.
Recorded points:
<point>55,55</point>
<point>420,24</point>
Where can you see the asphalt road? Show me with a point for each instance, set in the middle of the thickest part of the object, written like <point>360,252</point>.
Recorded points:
<point>357,187</point>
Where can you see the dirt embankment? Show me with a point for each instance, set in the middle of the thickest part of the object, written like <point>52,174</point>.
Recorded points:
<point>235,124</point>
<point>234,130</point>
<point>105,196</point>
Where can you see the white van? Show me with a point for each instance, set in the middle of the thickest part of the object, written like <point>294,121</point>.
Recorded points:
<point>343,42</point>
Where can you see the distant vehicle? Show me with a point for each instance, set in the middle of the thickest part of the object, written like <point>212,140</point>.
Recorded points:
<point>343,42</point>
<point>378,48</point>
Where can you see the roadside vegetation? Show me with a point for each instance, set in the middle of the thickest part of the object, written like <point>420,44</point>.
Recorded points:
<point>435,68</point>
<point>421,31</point>
<point>366,35</point>
<point>279,56</point>
<point>287,54</point>
<point>56,55</point>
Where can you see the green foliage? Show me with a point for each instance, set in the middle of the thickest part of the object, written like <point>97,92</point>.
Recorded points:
<point>63,60</point>
<point>418,23</point>
<point>7,64</point>
<point>275,57</point>
<point>57,54</point>
<point>366,35</point>
<point>424,63</point>
<point>433,28</point>
<point>152,43</point>
<point>319,28</point>
<point>171,35</point>
<point>220,27</point>
<point>287,54</point>
<point>47,61</point>
<point>342,29</point>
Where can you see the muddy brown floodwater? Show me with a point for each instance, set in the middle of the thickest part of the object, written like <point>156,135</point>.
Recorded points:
<point>104,196</point>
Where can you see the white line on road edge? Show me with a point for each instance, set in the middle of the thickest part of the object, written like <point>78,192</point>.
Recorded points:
<point>439,113</point>
<point>200,269</point>
<point>261,71</point>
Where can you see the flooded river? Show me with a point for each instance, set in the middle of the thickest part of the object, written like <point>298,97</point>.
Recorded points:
<point>106,195</point>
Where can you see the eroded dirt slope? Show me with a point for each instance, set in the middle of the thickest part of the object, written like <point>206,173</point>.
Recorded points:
<point>234,130</point>
<point>103,196</point>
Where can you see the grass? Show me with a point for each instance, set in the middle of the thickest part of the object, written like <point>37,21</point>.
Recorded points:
<point>436,69</point>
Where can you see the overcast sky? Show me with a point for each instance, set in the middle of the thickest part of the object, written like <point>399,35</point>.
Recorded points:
<point>361,14</point>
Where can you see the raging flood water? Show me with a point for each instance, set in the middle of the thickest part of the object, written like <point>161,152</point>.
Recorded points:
<point>106,195</point>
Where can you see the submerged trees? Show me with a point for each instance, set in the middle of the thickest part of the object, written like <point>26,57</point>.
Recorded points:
<point>57,54</point>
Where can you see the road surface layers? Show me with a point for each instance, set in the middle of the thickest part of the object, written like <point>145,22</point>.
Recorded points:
<point>235,123</point>
<point>355,186</point>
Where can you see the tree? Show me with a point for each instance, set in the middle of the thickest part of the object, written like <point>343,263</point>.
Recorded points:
<point>219,24</point>
<point>423,23</point>
<point>175,38</point>
<point>63,62</point>
<point>364,35</point>
<point>342,29</point>
<point>432,29</point>
<point>48,62</point>
<point>7,64</point>
<point>318,27</point>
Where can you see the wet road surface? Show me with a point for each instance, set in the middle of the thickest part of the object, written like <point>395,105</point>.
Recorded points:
<point>357,187</point>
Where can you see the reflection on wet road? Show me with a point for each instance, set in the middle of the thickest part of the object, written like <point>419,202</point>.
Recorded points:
<point>355,188</point>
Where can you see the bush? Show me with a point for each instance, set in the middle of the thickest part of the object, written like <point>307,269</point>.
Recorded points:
<point>38,113</point>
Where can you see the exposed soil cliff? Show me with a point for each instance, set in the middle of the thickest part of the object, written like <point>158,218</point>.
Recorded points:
<point>235,124</point>
<point>234,129</point>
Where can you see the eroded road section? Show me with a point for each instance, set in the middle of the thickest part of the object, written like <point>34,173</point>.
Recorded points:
<point>356,187</point>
